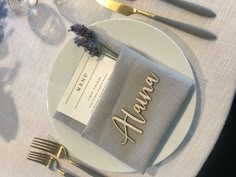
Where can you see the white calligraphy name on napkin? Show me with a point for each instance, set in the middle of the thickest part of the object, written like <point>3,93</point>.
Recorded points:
<point>86,87</point>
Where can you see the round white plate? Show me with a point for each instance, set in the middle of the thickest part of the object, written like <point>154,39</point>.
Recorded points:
<point>144,37</point>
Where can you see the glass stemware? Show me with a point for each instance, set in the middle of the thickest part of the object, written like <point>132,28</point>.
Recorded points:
<point>23,7</point>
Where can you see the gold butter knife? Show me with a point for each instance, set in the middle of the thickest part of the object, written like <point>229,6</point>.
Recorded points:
<point>127,10</point>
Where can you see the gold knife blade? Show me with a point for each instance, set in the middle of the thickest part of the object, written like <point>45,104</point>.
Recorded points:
<point>117,7</point>
<point>127,10</point>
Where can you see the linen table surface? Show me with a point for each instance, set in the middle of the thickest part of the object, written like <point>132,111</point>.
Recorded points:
<point>28,49</point>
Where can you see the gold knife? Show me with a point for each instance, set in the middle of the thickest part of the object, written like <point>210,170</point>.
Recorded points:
<point>127,10</point>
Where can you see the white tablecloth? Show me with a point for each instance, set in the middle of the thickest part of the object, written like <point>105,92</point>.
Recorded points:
<point>28,52</point>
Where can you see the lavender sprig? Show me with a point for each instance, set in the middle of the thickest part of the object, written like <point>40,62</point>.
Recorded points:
<point>83,31</point>
<point>86,38</point>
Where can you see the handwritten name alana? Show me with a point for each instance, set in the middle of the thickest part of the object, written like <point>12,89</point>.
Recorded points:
<point>139,107</point>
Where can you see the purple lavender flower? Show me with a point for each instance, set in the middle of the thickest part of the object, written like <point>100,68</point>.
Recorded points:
<point>85,38</point>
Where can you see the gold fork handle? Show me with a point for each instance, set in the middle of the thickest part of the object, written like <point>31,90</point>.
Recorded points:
<point>74,163</point>
<point>86,169</point>
<point>65,173</point>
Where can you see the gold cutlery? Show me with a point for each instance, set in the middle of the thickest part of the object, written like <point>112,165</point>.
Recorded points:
<point>127,10</point>
<point>48,161</point>
<point>60,152</point>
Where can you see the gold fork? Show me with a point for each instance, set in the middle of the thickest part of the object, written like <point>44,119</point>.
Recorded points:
<point>60,151</point>
<point>48,161</point>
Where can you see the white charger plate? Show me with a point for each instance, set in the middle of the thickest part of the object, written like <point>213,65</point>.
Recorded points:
<point>144,37</point>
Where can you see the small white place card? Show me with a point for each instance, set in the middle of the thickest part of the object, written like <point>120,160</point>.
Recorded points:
<point>86,87</point>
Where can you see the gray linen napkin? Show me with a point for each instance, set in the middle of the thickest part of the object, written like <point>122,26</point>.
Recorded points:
<point>106,128</point>
<point>167,92</point>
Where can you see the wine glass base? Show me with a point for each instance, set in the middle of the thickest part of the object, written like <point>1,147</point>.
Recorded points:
<point>23,7</point>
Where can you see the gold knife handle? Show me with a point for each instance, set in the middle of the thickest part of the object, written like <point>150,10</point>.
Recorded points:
<point>194,30</point>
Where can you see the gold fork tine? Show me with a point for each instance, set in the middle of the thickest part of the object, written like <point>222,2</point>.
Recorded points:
<point>37,158</point>
<point>45,145</point>
<point>38,154</point>
<point>38,161</point>
<point>46,141</point>
<point>43,149</point>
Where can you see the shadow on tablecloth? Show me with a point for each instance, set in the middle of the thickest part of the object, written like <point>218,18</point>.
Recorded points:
<point>3,15</point>
<point>47,25</point>
<point>75,12</point>
<point>8,114</point>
